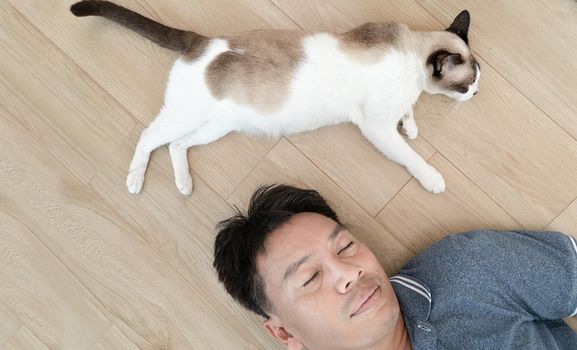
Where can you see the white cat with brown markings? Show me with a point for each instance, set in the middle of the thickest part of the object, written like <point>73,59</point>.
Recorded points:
<point>281,82</point>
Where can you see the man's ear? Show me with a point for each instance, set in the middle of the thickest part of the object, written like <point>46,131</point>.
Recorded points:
<point>460,25</point>
<point>275,328</point>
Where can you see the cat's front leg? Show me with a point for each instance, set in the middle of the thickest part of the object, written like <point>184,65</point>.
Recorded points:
<point>182,178</point>
<point>409,125</point>
<point>204,134</point>
<point>387,139</point>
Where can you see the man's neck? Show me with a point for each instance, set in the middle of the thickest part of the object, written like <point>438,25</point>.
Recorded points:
<point>399,339</point>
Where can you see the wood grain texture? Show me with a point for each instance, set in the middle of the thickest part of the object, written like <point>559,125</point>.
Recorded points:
<point>24,339</point>
<point>9,321</point>
<point>114,339</point>
<point>37,288</point>
<point>343,15</point>
<point>566,221</point>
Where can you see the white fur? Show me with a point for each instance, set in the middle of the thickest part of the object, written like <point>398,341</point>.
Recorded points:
<point>328,88</point>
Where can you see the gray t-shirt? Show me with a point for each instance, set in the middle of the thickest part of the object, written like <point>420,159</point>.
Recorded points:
<point>491,290</point>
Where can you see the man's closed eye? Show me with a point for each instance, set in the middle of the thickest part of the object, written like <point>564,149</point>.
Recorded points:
<point>313,277</point>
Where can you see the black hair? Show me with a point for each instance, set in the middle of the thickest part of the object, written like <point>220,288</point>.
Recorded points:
<point>241,238</point>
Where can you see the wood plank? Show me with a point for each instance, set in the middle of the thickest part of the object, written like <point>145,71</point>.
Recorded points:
<point>572,322</point>
<point>508,148</point>
<point>181,230</point>
<point>114,339</point>
<point>36,287</point>
<point>285,164</point>
<point>419,219</point>
<point>24,339</point>
<point>9,321</point>
<point>342,15</point>
<point>566,222</point>
<point>530,44</point>
<point>54,100</point>
<point>144,297</point>
<point>355,165</point>
<point>134,71</point>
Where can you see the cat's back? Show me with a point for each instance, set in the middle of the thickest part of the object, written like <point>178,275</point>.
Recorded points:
<point>266,70</point>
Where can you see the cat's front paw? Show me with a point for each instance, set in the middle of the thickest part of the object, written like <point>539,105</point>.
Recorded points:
<point>134,181</point>
<point>432,180</point>
<point>184,183</point>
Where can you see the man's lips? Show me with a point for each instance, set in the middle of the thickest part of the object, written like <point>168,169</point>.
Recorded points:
<point>368,301</point>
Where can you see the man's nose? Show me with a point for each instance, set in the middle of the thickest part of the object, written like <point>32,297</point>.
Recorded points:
<point>349,276</point>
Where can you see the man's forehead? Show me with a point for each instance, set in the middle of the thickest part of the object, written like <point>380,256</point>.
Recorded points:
<point>303,233</point>
<point>300,231</point>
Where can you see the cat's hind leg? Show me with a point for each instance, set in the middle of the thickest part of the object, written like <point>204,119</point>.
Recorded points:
<point>409,126</point>
<point>208,133</point>
<point>164,129</point>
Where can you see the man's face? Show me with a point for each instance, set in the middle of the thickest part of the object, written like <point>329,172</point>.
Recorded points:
<point>327,289</point>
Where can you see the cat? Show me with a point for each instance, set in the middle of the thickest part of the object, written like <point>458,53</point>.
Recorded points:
<point>278,82</point>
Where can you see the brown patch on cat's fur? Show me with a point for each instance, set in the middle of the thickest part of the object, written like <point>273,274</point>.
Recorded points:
<point>185,42</point>
<point>257,69</point>
<point>196,49</point>
<point>369,41</point>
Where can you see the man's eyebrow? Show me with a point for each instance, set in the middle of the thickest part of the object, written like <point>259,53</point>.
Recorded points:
<point>295,266</point>
<point>338,229</point>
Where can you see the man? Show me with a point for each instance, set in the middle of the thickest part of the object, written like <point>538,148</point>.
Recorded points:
<point>291,260</point>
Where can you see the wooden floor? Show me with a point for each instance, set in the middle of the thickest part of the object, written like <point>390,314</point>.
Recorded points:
<point>84,264</point>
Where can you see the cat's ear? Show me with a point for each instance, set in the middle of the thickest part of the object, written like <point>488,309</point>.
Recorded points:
<point>443,60</point>
<point>460,25</point>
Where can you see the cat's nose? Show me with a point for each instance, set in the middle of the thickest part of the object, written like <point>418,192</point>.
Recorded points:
<point>476,92</point>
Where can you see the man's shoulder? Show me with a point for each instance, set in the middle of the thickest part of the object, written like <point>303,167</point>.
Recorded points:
<point>460,258</point>
<point>483,243</point>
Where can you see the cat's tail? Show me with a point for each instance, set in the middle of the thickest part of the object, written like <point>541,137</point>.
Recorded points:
<point>170,38</point>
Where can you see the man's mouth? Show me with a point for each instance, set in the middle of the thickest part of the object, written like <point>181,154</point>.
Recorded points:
<point>368,301</point>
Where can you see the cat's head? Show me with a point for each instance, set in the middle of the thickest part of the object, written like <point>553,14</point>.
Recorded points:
<point>452,69</point>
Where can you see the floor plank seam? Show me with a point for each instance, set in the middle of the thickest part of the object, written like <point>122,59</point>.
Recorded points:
<point>286,14</point>
<point>561,212</point>
<point>401,189</point>
<point>334,182</point>
<point>483,191</point>
<point>227,199</point>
